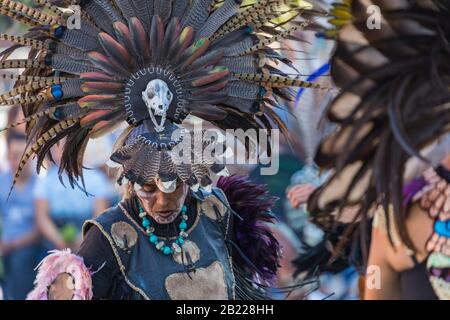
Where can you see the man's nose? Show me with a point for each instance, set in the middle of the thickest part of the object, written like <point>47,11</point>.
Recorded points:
<point>163,198</point>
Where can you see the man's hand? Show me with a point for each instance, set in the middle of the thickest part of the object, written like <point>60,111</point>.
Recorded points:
<point>299,194</point>
<point>62,288</point>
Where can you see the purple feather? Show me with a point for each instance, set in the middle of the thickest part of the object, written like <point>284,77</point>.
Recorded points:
<point>410,190</point>
<point>252,234</point>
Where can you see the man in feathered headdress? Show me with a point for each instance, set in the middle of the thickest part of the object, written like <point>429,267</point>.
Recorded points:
<point>152,63</point>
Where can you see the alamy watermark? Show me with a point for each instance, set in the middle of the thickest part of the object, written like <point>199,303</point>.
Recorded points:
<point>373,22</point>
<point>73,17</point>
<point>232,147</point>
<point>373,277</point>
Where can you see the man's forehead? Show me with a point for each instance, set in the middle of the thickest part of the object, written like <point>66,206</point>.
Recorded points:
<point>153,183</point>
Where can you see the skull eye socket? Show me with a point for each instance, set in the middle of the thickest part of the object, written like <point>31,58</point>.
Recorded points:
<point>150,94</point>
<point>168,95</point>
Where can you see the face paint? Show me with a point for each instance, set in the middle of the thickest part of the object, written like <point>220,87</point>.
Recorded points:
<point>162,207</point>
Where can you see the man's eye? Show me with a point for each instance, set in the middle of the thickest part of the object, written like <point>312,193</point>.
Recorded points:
<point>149,188</point>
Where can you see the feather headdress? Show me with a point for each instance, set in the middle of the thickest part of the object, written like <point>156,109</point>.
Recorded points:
<point>152,62</point>
<point>392,63</point>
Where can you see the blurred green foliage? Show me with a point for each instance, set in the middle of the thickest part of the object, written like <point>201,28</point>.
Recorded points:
<point>69,233</point>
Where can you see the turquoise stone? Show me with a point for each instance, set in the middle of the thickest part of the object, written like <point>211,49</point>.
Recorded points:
<point>180,241</point>
<point>153,238</point>
<point>183,225</point>
<point>145,223</point>
<point>160,245</point>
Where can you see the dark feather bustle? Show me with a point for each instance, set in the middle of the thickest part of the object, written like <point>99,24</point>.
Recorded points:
<point>252,235</point>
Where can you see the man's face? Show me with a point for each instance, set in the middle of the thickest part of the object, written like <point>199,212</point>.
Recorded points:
<point>163,207</point>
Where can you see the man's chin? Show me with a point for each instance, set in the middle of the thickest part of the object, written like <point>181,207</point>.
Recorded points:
<point>165,218</point>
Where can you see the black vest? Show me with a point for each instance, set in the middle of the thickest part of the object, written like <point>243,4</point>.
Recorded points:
<point>204,272</point>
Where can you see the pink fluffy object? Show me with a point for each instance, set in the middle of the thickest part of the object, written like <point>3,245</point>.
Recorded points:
<point>56,263</point>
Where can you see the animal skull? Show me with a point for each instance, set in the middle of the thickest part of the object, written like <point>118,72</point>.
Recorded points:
<point>157,97</point>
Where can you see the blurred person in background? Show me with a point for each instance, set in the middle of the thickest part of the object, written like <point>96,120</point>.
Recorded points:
<point>13,115</point>
<point>303,184</point>
<point>306,131</point>
<point>19,244</point>
<point>61,210</point>
<point>289,163</point>
<point>291,247</point>
<point>96,156</point>
<point>337,281</point>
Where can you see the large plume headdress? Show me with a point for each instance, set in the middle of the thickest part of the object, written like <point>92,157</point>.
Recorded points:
<point>153,61</point>
<point>392,63</point>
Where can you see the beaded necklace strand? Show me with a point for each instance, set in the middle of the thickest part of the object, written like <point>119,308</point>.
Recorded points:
<point>160,245</point>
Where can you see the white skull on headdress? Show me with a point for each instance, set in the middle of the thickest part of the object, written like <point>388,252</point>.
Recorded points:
<point>157,97</point>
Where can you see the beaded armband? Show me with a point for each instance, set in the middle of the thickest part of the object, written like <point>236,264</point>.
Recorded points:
<point>435,199</point>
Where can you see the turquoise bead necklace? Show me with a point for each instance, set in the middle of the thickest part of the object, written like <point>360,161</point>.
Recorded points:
<point>160,245</point>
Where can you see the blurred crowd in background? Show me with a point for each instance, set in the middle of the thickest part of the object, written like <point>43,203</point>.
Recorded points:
<point>44,213</point>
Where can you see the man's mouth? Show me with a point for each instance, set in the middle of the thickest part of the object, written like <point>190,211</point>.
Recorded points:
<point>165,214</point>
